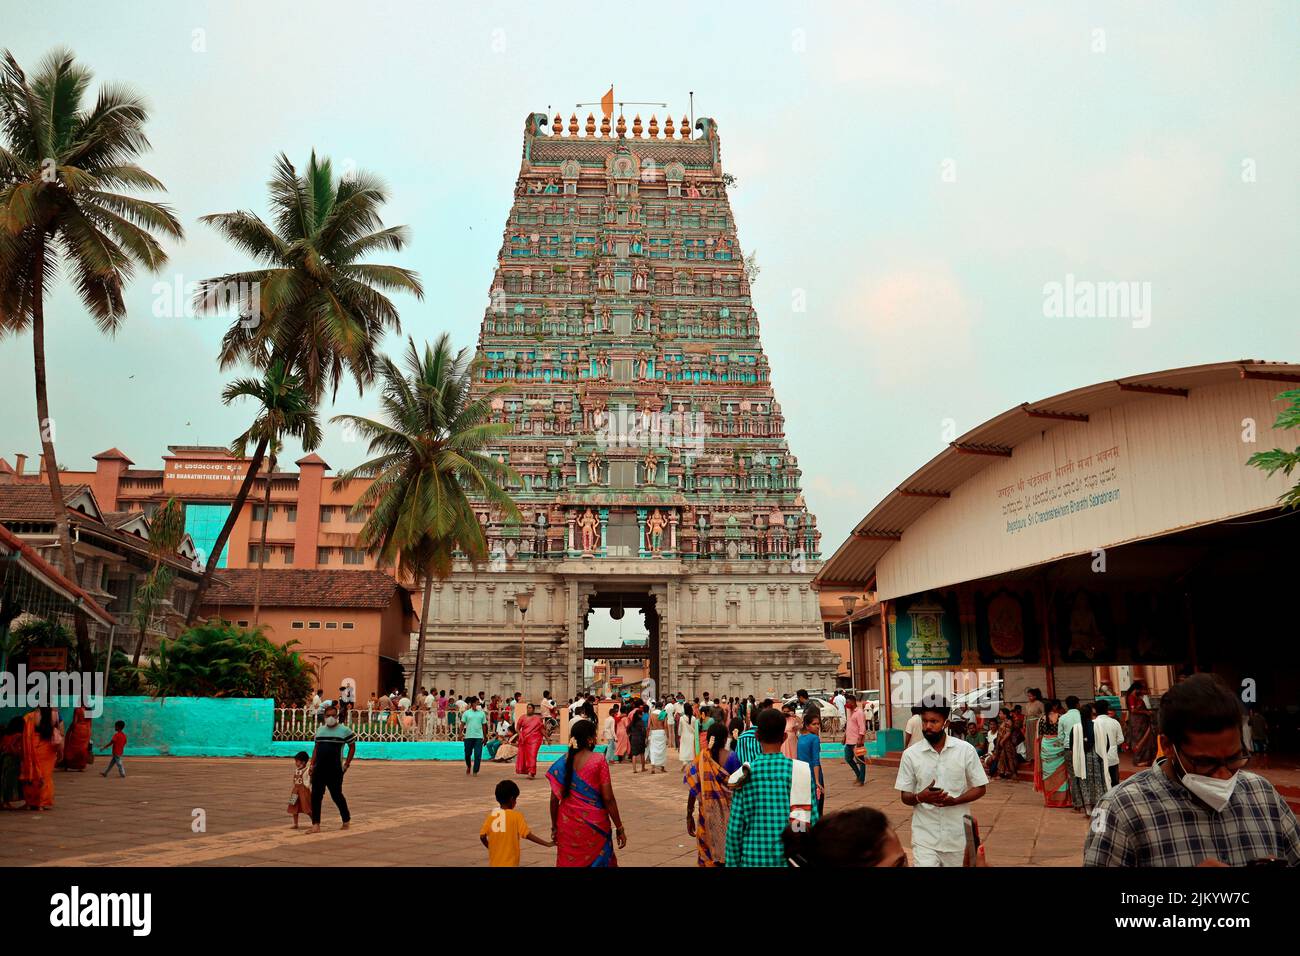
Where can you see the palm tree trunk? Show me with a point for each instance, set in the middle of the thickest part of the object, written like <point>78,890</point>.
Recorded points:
<point>226,528</point>
<point>45,426</point>
<point>261,548</point>
<point>419,644</point>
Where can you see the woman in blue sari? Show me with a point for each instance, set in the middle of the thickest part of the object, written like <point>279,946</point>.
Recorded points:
<point>583,804</point>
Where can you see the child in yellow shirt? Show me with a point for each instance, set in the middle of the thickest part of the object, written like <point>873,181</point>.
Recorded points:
<point>505,826</point>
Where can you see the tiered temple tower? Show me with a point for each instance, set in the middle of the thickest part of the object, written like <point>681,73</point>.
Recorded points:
<point>621,345</point>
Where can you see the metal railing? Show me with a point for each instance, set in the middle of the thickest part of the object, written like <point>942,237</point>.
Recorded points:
<point>300,723</point>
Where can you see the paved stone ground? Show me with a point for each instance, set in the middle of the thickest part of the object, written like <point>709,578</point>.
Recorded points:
<point>424,813</point>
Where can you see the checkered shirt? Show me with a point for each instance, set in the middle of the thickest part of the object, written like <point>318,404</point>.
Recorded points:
<point>760,811</point>
<point>1150,820</point>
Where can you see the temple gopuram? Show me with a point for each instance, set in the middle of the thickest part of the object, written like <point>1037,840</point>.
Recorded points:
<point>621,345</point>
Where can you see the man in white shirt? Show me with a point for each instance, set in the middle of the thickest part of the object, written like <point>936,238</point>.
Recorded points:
<point>912,730</point>
<point>938,775</point>
<point>1107,735</point>
<point>839,701</point>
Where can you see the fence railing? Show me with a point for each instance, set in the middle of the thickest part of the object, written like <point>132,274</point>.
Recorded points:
<point>300,723</point>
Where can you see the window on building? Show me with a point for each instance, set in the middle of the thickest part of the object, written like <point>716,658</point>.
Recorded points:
<point>584,246</point>
<point>242,623</point>
<point>288,555</point>
<point>291,512</point>
<point>354,556</point>
<point>322,555</point>
<point>296,625</point>
<point>326,514</point>
<point>348,625</point>
<point>313,625</point>
<point>331,625</point>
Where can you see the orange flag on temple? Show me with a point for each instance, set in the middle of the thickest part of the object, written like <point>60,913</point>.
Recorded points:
<point>607,103</point>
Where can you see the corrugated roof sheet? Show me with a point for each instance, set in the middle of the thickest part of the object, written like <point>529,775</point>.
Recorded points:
<point>854,562</point>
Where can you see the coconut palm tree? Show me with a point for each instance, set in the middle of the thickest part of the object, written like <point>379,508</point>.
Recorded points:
<point>429,463</point>
<point>285,411</point>
<point>62,161</point>
<point>313,303</point>
<point>166,532</point>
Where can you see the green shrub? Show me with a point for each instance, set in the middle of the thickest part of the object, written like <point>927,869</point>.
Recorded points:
<point>222,660</point>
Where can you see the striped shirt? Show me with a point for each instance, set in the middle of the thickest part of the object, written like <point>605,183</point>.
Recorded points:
<point>1150,820</point>
<point>330,742</point>
<point>747,747</point>
<point>760,811</point>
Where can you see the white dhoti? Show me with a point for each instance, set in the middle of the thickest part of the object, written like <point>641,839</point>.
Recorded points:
<point>658,749</point>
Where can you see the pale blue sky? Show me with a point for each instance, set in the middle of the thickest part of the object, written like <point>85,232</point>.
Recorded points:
<point>924,297</point>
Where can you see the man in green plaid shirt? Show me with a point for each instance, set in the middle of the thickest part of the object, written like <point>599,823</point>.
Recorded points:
<point>760,808</point>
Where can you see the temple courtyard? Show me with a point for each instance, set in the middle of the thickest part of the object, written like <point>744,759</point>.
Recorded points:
<point>422,813</point>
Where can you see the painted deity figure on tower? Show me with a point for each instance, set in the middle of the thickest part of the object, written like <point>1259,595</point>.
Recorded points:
<point>655,525</point>
<point>588,524</point>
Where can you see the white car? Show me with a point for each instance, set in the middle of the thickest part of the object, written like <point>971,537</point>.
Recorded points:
<point>824,706</point>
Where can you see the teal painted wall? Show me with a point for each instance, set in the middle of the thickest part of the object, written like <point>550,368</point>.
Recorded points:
<point>235,727</point>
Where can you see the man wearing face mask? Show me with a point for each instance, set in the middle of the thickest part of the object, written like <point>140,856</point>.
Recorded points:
<point>327,765</point>
<point>938,775</point>
<point>1197,806</point>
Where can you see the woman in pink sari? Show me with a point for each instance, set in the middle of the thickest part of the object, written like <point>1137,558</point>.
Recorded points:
<point>530,731</point>
<point>623,746</point>
<point>583,804</point>
<point>790,746</point>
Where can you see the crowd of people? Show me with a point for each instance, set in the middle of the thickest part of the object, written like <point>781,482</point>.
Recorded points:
<point>755,791</point>
<point>36,744</point>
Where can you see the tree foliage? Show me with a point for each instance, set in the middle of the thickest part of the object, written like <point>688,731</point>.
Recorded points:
<point>222,660</point>
<point>1271,462</point>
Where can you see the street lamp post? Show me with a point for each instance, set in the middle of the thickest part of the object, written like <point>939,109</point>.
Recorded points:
<point>850,601</point>
<point>521,601</point>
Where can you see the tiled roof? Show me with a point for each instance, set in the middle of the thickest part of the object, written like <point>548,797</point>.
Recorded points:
<point>304,587</point>
<point>24,502</point>
<point>112,454</point>
<point>31,503</point>
<point>30,561</point>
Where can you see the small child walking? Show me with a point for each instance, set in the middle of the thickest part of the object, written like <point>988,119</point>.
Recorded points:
<point>505,826</point>
<point>118,743</point>
<point>300,796</point>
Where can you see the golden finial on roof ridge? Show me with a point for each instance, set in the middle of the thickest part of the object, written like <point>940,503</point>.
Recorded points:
<point>669,128</point>
<point>636,126</point>
<point>654,127</point>
<point>591,124</point>
<point>604,126</point>
<point>685,128</point>
<point>573,124</point>
<point>621,127</point>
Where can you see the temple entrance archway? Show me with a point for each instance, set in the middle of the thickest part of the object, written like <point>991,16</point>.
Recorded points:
<point>620,640</point>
